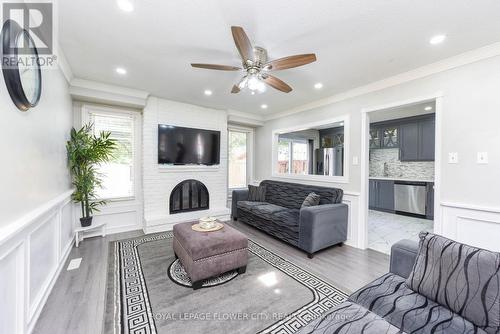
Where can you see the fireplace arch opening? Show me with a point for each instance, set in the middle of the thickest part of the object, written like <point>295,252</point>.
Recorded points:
<point>189,195</point>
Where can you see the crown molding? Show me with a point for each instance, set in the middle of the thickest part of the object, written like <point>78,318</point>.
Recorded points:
<point>465,58</point>
<point>92,91</point>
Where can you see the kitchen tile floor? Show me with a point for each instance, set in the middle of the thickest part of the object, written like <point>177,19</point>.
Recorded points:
<point>385,229</point>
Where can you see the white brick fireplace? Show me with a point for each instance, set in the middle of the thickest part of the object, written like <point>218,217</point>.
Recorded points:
<point>159,180</point>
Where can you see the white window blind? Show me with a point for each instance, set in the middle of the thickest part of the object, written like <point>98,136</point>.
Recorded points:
<point>118,174</point>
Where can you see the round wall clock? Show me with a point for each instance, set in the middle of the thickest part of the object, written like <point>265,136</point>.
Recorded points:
<point>20,67</point>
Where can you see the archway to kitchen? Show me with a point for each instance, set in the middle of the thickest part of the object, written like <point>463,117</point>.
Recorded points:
<point>400,172</point>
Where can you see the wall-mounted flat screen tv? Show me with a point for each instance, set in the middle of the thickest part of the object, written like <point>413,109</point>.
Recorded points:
<point>188,146</point>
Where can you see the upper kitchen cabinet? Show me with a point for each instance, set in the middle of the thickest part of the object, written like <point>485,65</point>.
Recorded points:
<point>390,137</point>
<point>417,140</point>
<point>384,137</point>
<point>375,138</point>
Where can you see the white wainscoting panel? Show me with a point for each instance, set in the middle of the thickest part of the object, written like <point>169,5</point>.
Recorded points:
<point>11,290</point>
<point>33,250</point>
<point>472,225</point>
<point>352,200</point>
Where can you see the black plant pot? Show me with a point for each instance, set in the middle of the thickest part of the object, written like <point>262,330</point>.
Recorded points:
<point>86,221</point>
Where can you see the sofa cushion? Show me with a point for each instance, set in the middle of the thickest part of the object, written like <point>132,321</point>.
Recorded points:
<point>288,219</point>
<point>463,278</point>
<point>248,205</point>
<point>390,298</point>
<point>311,200</point>
<point>291,195</point>
<point>256,194</point>
<point>349,318</point>
<point>267,210</point>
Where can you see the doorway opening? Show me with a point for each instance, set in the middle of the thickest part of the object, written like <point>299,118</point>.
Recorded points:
<point>401,177</point>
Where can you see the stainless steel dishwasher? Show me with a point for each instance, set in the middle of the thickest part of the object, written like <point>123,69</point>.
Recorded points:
<point>410,197</point>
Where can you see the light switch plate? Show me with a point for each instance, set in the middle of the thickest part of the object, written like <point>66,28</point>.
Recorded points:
<point>482,157</point>
<point>453,158</point>
<point>355,161</point>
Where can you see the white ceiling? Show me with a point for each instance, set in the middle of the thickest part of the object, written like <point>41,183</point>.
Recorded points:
<point>356,42</point>
<point>403,111</point>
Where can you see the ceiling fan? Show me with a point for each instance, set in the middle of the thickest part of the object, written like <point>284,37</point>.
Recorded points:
<point>257,66</point>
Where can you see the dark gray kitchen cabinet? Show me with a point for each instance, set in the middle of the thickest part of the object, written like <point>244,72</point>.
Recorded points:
<point>417,140</point>
<point>429,205</point>
<point>427,140</point>
<point>384,137</point>
<point>409,138</point>
<point>381,195</point>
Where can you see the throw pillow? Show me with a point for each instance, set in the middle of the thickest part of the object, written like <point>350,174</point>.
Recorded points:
<point>463,278</point>
<point>256,194</point>
<point>311,200</point>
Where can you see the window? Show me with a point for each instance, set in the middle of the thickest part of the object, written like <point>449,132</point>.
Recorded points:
<point>284,156</point>
<point>118,174</point>
<point>293,156</point>
<point>300,160</point>
<point>237,147</point>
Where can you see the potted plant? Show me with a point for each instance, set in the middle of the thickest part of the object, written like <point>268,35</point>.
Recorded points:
<point>85,152</point>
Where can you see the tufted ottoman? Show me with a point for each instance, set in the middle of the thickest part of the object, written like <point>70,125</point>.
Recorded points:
<point>208,254</point>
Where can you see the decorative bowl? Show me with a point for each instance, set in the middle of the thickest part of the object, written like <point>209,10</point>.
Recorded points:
<point>207,222</point>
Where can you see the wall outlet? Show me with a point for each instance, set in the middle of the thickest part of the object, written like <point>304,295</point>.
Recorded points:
<point>453,158</point>
<point>74,264</point>
<point>355,161</point>
<point>482,157</point>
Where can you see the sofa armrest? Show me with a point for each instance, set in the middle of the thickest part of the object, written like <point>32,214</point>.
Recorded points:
<point>403,256</point>
<point>322,226</point>
<point>237,195</point>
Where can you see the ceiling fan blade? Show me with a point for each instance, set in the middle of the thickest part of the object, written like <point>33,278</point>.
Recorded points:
<point>235,89</point>
<point>242,43</point>
<point>217,67</point>
<point>276,83</point>
<point>290,62</point>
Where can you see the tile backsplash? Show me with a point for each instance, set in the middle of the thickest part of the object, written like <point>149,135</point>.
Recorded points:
<point>386,163</point>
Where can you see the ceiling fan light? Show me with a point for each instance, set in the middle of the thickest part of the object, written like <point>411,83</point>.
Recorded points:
<point>243,83</point>
<point>253,83</point>
<point>261,87</point>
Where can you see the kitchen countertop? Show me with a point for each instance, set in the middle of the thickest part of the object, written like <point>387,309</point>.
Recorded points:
<point>398,179</point>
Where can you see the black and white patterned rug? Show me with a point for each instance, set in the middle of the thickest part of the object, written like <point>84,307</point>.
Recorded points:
<point>148,293</point>
<point>177,273</point>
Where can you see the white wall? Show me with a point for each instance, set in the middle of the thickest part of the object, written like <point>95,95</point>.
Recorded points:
<point>158,181</point>
<point>32,145</point>
<point>36,215</point>
<point>471,118</point>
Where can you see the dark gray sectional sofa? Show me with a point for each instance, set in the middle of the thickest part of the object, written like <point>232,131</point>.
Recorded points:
<point>310,229</point>
<point>439,286</point>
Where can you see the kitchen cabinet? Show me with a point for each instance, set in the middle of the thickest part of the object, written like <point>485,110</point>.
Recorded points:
<point>427,139</point>
<point>417,140</point>
<point>408,150</point>
<point>384,137</point>
<point>381,195</point>
<point>429,208</point>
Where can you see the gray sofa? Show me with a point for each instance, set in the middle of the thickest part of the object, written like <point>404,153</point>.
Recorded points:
<point>437,286</point>
<point>310,229</point>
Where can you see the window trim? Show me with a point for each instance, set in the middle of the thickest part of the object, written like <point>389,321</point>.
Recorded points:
<point>318,178</point>
<point>250,154</point>
<point>87,109</point>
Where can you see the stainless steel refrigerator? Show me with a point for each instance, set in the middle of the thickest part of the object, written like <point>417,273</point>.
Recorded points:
<point>330,161</point>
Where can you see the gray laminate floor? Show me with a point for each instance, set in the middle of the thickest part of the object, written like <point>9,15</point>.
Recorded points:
<point>76,303</point>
